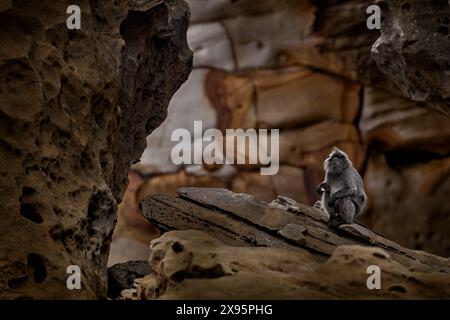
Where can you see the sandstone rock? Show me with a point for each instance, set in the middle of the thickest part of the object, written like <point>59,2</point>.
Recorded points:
<point>192,265</point>
<point>233,98</point>
<point>411,195</point>
<point>126,248</point>
<point>289,181</point>
<point>133,233</point>
<point>299,97</point>
<point>222,9</point>
<point>168,184</point>
<point>310,146</point>
<point>291,64</point>
<point>191,102</point>
<point>394,122</point>
<point>413,50</point>
<point>5,5</point>
<point>121,276</point>
<point>254,49</point>
<point>326,35</point>
<point>75,108</point>
<point>242,220</point>
<point>255,184</point>
<point>211,46</point>
<point>340,42</point>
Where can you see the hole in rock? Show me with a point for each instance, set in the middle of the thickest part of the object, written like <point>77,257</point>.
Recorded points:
<point>28,191</point>
<point>443,30</point>
<point>178,276</point>
<point>406,6</point>
<point>177,247</point>
<point>379,255</point>
<point>36,267</point>
<point>399,289</point>
<point>17,283</point>
<point>30,212</point>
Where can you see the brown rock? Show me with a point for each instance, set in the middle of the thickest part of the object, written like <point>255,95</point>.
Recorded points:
<point>192,265</point>
<point>75,108</point>
<point>189,104</point>
<point>298,146</point>
<point>5,5</point>
<point>413,50</point>
<point>121,276</point>
<point>413,196</point>
<point>255,184</point>
<point>211,46</point>
<point>242,220</point>
<point>298,97</point>
<point>394,122</point>
<point>168,184</point>
<point>232,97</point>
<point>223,9</point>
<point>289,181</point>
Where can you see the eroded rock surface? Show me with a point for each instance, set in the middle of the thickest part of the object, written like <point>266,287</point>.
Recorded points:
<point>121,276</point>
<point>414,49</point>
<point>75,108</point>
<point>223,245</point>
<point>306,68</point>
<point>193,265</point>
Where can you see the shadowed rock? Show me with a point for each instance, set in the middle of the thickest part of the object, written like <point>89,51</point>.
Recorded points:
<point>75,108</point>
<point>414,47</point>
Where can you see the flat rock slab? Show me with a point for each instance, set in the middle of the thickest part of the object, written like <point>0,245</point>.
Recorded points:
<point>241,220</point>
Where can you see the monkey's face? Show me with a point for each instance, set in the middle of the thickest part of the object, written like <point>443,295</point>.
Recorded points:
<point>337,162</point>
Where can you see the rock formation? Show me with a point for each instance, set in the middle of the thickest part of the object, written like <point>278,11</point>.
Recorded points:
<point>414,49</point>
<point>246,249</point>
<point>306,68</point>
<point>75,108</point>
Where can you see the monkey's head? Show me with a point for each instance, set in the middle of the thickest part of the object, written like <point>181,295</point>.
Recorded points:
<point>337,161</point>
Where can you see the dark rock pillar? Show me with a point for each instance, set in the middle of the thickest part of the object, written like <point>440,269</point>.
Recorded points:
<point>75,108</point>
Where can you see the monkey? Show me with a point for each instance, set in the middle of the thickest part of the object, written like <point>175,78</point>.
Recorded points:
<point>342,191</point>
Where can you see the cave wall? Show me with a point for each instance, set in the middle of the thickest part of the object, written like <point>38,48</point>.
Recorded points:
<point>306,68</point>
<point>75,108</point>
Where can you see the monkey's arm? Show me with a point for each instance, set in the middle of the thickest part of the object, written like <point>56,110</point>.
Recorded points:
<point>322,188</point>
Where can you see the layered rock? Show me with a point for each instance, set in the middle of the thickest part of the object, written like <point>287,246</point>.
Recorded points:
<point>243,248</point>
<point>413,50</point>
<point>194,265</point>
<point>306,68</point>
<point>75,108</point>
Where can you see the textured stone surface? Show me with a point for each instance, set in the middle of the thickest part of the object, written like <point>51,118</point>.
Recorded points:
<point>306,67</point>
<point>414,49</point>
<point>190,101</point>
<point>397,123</point>
<point>5,5</point>
<point>283,102</point>
<point>75,108</point>
<point>121,276</point>
<point>242,220</point>
<point>193,265</point>
<point>413,209</point>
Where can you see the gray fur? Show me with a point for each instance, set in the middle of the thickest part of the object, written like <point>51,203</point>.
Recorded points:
<point>343,195</point>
